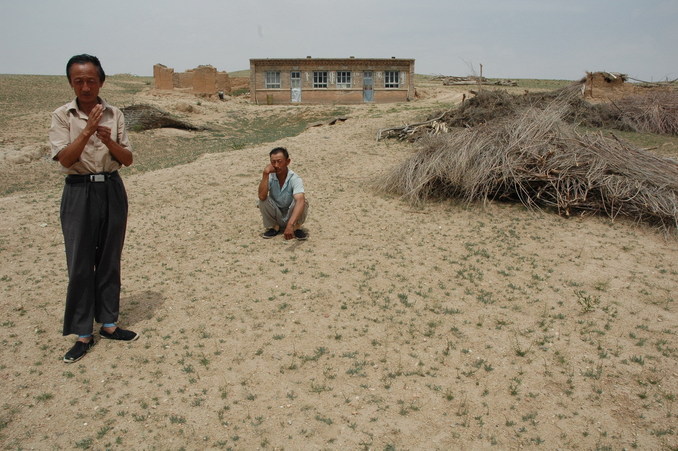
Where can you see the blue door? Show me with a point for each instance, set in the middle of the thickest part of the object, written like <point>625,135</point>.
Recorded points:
<point>368,87</point>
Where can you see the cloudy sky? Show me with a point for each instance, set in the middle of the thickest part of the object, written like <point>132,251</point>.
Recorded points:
<point>552,39</point>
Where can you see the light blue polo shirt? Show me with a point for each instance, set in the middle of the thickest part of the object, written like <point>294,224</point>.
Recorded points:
<point>283,197</point>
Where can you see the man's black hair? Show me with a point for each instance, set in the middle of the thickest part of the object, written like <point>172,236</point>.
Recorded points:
<point>281,150</point>
<point>84,59</point>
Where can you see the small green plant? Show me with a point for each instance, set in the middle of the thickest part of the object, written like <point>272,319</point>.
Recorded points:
<point>639,359</point>
<point>514,386</point>
<point>323,419</point>
<point>587,302</point>
<point>103,431</point>
<point>177,419</point>
<point>44,397</point>
<point>85,443</point>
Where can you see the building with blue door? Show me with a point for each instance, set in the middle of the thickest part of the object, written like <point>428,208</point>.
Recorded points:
<point>331,80</point>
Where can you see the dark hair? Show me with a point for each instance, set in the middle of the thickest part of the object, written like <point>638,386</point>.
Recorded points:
<point>84,59</point>
<point>281,150</point>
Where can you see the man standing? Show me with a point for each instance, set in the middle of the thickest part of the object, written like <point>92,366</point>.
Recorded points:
<point>89,141</point>
<point>282,201</point>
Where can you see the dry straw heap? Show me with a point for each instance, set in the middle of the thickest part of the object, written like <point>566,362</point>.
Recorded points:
<point>654,112</point>
<point>537,157</point>
<point>147,117</point>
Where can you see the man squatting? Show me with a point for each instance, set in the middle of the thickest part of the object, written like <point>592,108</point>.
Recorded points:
<point>282,201</point>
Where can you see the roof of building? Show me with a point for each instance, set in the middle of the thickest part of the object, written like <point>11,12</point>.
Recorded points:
<point>334,60</point>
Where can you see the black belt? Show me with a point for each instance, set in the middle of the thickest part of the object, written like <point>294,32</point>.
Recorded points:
<point>91,178</point>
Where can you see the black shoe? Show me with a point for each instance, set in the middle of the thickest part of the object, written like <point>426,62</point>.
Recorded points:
<point>270,233</point>
<point>78,351</point>
<point>300,234</point>
<point>119,334</point>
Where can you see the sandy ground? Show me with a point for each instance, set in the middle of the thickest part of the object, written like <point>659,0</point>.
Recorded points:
<point>445,327</point>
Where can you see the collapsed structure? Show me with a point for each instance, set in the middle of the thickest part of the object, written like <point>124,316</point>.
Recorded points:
<point>606,85</point>
<point>331,80</point>
<point>201,80</point>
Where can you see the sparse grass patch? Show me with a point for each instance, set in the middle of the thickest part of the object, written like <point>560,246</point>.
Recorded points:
<point>587,302</point>
<point>456,319</point>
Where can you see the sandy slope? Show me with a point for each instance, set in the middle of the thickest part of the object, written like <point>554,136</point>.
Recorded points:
<point>390,328</point>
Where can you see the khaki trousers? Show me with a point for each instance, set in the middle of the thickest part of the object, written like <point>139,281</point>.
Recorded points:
<point>275,218</point>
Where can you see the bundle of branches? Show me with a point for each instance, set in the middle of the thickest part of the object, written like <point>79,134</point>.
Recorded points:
<point>489,105</point>
<point>146,117</point>
<point>651,112</point>
<point>543,162</point>
<point>414,132</point>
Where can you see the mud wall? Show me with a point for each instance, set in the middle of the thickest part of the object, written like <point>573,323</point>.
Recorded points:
<point>201,80</point>
<point>601,85</point>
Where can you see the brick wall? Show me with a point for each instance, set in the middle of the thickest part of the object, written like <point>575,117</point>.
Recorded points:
<point>201,80</point>
<point>163,77</point>
<point>333,93</point>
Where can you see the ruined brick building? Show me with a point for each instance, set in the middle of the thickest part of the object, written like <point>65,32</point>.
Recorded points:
<point>201,80</point>
<point>606,86</point>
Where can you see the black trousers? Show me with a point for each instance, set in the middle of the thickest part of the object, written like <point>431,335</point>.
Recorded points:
<point>93,221</point>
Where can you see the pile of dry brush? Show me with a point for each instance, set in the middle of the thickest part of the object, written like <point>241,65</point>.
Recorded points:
<point>654,111</point>
<point>535,156</point>
<point>141,117</point>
